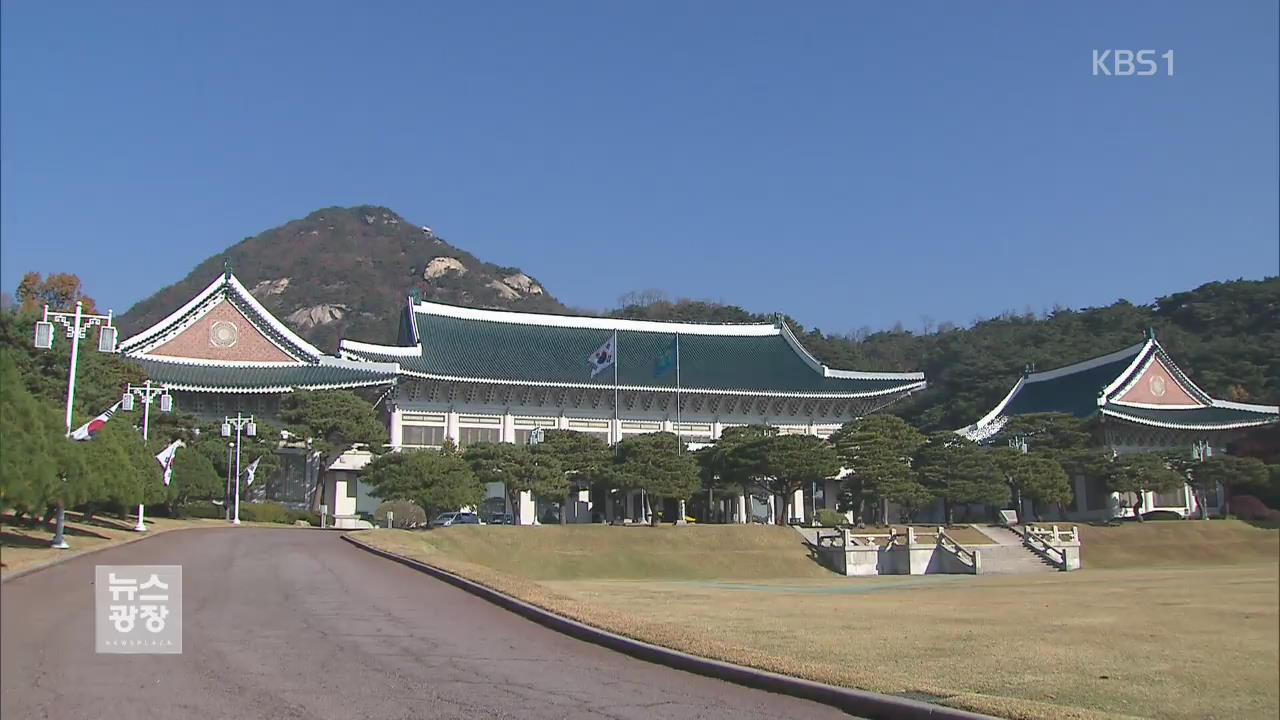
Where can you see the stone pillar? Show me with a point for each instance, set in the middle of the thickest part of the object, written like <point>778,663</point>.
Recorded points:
<point>798,508</point>
<point>773,509</point>
<point>741,503</point>
<point>396,428</point>
<point>668,426</point>
<point>562,422</point>
<point>451,426</point>
<point>615,430</point>
<point>680,514</point>
<point>527,509</point>
<point>508,433</point>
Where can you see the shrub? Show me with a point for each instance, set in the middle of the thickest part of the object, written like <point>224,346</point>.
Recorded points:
<point>265,512</point>
<point>1248,507</point>
<point>830,518</point>
<point>1161,515</point>
<point>312,518</point>
<point>405,514</point>
<point>202,509</point>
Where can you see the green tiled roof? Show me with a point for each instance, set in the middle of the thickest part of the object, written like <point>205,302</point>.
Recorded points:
<point>1071,393</point>
<point>1215,417</point>
<point>275,378</point>
<point>754,359</point>
<point>1076,389</point>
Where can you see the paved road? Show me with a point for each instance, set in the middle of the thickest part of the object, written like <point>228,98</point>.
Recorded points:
<point>299,624</point>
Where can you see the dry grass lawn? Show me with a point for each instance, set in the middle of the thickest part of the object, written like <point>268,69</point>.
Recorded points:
<point>23,545</point>
<point>1195,641</point>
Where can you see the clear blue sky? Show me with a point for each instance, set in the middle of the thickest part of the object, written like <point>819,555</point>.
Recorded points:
<point>851,163</point>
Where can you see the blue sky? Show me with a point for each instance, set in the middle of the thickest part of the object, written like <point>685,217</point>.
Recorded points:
<point>850,163</point>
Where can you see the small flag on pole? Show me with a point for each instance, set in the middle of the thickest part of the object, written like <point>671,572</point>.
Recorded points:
<point>665,361</point>
<point>165,458</point>
<point>249,471</point>
<point>605,356</point>
<point>91,428</point>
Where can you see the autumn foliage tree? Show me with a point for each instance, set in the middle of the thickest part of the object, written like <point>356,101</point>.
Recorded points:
<point>59,291</point>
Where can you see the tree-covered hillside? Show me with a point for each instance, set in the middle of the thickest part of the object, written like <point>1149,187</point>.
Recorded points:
<point>1225,335</point>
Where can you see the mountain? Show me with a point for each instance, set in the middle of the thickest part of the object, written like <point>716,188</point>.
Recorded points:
<point>345,272</point>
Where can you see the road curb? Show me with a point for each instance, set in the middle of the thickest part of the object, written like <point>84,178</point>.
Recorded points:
<point>859,702</point>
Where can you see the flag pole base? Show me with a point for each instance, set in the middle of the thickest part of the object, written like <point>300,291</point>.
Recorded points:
<point>60,545</point>
<point>236,521</point>
<point>139,527</point>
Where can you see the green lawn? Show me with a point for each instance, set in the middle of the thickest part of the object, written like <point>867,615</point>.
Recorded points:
<point>1191,639</point>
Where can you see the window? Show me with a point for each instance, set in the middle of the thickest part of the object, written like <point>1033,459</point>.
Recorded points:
<point>421,435</point>
<point>353,488</point>
<point>472,435</point>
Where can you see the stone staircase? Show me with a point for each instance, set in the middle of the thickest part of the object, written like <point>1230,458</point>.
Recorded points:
<point>1009,555</point>
<point>1010,559</point>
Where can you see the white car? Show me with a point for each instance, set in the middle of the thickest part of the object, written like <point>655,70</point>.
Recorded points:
<point>455,518</point>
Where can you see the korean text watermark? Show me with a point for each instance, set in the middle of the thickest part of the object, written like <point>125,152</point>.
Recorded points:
<point>138,608</point>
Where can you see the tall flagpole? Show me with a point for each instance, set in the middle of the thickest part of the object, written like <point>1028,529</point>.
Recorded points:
<point>679,434</point>
<point>616,422</point>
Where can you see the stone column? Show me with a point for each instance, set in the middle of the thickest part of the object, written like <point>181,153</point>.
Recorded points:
<point>668,426</point>
<point>451,426</point>
<point>396,428</point>
<point>508,428</point>
<point>716,429</point>
<point>680,514</point>
<point>798,508</point>
<point>527,509</point>
<point>773,509</point>
<point>743,518</point>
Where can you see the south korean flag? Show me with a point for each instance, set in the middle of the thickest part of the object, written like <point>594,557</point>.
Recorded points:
<point>605,356</point>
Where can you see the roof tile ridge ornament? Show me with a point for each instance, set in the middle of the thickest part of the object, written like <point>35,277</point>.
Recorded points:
<point>226,268</point>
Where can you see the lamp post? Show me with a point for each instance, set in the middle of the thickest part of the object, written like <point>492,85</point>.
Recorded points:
<point>77,325</point>
<point>226,494</point>
<point>243,425</point>
<point>148,393</point>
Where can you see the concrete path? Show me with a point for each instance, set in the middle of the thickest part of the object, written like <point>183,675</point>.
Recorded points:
<point>298,624</point>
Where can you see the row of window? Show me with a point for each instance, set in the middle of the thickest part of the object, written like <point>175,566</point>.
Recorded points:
<point>414,434</point>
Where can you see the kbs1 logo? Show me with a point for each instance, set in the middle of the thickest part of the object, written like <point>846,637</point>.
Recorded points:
<point>1123,63</point>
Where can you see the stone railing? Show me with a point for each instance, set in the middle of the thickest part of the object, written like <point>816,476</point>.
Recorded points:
<point>966,558</point>
<point>1060,547</point>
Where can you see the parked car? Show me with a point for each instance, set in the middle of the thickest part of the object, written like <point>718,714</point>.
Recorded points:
<point>499,518</point>
<point>447,519</point>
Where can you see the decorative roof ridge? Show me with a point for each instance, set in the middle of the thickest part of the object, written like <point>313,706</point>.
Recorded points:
<point>357,346</point>
<point>1154,406</point>
<point>1271,409</point>
<point>1084,365</point>
<point>228,282</point>
<point>1139,361</point>
<point>905,388</point>
<point>360,365</point>
<point>159,326</point>
<point>265,314</point>
<point>204,362</point>
<point>1110,410</point>
<point>597,323</point>
<point>999,408</point>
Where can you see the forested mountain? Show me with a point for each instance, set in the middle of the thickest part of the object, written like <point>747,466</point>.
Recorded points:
<point>1225,335</point>
<point>345,272</point>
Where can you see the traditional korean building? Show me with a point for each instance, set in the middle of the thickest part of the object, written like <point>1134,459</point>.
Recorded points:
<point>1141,402</point>
<point>223,353</point>
<point>473,375</point>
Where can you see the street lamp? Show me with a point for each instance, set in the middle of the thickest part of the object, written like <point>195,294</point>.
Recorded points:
<point>77,325</point>
<point>247,426</point>
<point>147,393</point>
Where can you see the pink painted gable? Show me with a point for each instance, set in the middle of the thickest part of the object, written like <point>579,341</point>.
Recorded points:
<point>224,333</point>
<point>1156,386</point>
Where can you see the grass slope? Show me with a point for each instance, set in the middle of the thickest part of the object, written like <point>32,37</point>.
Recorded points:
<point>1176,543</point>
<point>554,552</point>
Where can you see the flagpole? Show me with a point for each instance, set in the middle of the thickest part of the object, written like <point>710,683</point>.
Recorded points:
<point>616,422</point>
<point>679,434</point>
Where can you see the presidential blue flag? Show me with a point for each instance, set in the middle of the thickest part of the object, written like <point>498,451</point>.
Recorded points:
<point>666,360</point>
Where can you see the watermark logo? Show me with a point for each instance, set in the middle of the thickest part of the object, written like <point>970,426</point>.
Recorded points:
<point>1123,63</point>
<point>138,608</point>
